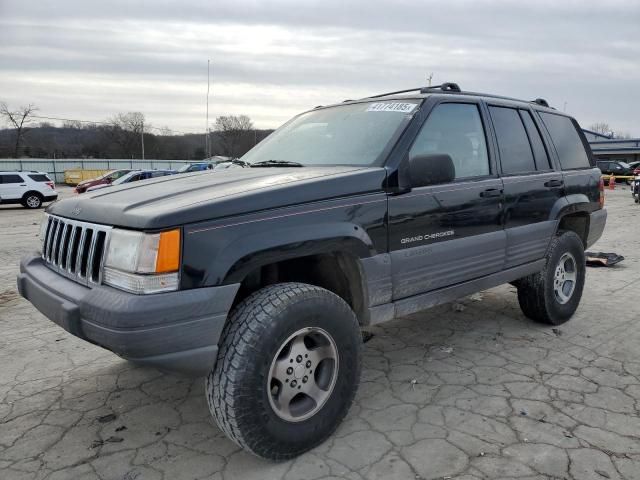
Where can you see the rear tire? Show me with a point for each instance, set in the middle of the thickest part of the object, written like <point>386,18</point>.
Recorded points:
<point>552,295</point>
<point>32,200</point>
<point>256,392</point>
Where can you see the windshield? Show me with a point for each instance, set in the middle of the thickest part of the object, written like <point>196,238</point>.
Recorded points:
<point>125,178</point>
<point>184,168</point>
<point>355,134</point>
<point>109,174</point>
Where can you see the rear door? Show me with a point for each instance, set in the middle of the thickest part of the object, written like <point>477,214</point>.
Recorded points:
<point>441,235</point>
<point>12,186</point>
<point>532,185</point>
<point>574,157</point>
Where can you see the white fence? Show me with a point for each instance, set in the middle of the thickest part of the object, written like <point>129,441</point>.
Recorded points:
<point>56,167</point>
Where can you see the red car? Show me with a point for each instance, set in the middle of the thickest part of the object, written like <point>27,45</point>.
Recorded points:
<point>105,179</point>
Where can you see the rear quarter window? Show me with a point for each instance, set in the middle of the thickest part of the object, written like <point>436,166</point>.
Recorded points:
<point>39,178</point>
<point>566,140</point>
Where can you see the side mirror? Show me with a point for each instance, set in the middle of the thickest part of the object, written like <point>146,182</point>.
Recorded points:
<point>431,169</point>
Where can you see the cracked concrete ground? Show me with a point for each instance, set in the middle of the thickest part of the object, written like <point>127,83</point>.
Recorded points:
<point>477,393</point>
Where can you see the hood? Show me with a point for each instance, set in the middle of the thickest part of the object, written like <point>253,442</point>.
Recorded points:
<point>90,182</point>
<point>91,188</point>
<point>189,198</point>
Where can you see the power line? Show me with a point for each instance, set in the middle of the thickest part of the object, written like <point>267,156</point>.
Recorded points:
<point>92,122</point>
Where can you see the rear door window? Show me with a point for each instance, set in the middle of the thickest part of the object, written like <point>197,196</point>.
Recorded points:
<point>566,140</point>
<point>11,178</point>
<point>516,155</point>
<point>539,150</point>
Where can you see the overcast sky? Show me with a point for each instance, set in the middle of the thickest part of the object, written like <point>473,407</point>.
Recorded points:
<point>270,60</point>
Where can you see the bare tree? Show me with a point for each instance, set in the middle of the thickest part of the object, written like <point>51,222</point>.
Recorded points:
<point>605,129</point>
<point>601,127</point>
<point>18,119</point>
<point>620,135</point>
<point>231,129</point>
<point>72,124</point>
<point>125,130</point>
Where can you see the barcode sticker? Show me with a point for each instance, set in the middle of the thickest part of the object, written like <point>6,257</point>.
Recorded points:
<point>391,107</point>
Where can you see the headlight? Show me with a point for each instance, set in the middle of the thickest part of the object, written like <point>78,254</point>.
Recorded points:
<point>143,262</point>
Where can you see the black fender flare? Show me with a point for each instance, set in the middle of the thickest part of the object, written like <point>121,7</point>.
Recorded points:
<point>256,249</point>
<point>570,204</point>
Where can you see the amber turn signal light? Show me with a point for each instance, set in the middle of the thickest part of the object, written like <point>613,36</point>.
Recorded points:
<point>168,259</point>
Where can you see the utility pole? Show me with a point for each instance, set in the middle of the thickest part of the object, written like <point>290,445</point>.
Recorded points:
<point>429,78</point>
<point>142,138</point>
<point>206,142</point>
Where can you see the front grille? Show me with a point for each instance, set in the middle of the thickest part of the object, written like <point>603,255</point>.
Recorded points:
<point>75,249</point>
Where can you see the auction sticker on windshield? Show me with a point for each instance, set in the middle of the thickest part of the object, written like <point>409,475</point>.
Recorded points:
<point>391,107</point>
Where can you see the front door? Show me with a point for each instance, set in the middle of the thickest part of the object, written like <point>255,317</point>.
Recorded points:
<point>442,235</point>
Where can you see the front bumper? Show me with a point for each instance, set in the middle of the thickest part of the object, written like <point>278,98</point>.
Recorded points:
<point>597,221</point>
<point>176,331</point>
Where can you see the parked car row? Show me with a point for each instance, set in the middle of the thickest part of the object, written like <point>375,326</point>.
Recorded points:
<point>619,168</point>
<point>127,175</point>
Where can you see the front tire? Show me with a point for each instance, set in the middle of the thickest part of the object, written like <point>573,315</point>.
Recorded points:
<point>287,371</point>
<point>552,295</point>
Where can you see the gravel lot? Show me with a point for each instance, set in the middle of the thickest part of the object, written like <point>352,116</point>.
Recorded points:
<point>477,393</point>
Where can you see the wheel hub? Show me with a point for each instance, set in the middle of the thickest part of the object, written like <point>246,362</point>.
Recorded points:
<point>303,374</point>
<point>564,278</point>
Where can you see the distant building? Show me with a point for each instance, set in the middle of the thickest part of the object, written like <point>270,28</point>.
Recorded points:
<point>605,147</point>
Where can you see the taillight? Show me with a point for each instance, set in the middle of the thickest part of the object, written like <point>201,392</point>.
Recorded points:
<point>601,189</point>
<point>50,185</point>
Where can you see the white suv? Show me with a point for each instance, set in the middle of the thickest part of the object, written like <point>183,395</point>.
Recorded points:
<point>31,189</point>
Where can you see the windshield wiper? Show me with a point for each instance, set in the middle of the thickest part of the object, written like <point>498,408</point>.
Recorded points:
<point>276,163</point>
<point>237,161</point>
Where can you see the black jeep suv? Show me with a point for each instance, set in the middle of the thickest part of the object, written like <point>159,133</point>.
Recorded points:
<point>348,215</point>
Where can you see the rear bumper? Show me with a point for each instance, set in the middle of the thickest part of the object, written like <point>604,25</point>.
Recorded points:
<point>597,221</point>
<point>176,331</point>
<point>51,198</point>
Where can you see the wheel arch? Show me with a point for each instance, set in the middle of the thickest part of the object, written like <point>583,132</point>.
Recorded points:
<point>572,213</point>
<point>32,192</point>
<point>337,270</point>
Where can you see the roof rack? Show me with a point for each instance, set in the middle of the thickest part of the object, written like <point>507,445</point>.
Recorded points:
<point>541,101</point>
<point>445,87</point>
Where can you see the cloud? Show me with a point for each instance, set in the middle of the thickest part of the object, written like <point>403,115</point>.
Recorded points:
<point>274,59</point>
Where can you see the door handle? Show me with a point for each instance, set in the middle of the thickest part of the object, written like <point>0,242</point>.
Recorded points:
<point>554,183</point>
<point>23,184</point>
<point>491,192</point>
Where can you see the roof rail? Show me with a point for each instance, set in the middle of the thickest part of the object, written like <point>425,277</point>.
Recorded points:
<point>541,101</point>
<point>445,87</point>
